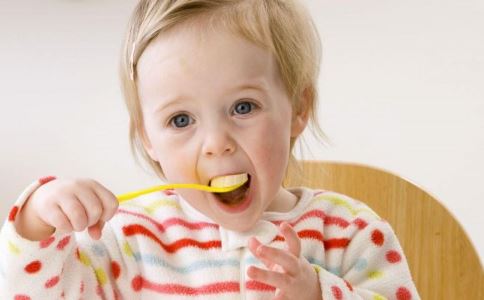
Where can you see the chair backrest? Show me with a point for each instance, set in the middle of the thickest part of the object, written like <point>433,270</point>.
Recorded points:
<point>442,260</point>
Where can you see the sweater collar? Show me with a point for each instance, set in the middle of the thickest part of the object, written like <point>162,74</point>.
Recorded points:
<point>264,230</point>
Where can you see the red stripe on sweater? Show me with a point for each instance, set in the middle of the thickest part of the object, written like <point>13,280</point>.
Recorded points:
<point>336,221</point>
<point>259,286</point>
<point>305,234</point>
<point>171,222</point>
<point>135,229</point>
<point>310,234</point>
<point>178,289</point>
<point>336,243</point>
<point>316,213</point>
<point>328,220</point>
<point>316,235</point>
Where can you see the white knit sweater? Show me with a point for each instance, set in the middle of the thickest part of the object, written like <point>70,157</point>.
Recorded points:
<point>159,247</point>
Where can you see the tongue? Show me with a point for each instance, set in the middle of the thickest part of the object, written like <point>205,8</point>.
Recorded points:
<point>233,197</point>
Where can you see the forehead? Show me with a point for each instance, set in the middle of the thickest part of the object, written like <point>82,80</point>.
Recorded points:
<point>190,57</point>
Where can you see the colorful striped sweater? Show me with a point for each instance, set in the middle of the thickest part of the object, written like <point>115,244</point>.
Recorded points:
<point>158,247</point>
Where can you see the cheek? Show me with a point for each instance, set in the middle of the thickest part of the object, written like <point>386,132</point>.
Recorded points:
<point>271,149</point>
<point>176,170</point>
<point>176,161</point>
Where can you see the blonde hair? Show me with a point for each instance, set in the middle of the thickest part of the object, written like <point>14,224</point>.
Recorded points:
<point>283,27</point>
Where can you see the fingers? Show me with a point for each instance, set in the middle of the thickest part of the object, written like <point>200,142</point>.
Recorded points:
<point>58,219</point>
<point>292,239</point>
<point>103,207</point>
<point>253,245</point>
<point>288,271</point>
<point>73,209</point>
<point>108,200</point>
<point>95,231</point>
<point>280,257</point>
<point>79,204</point>
<point>272,257</point>
<point>276,279</point>
<point>92,205</point>
<point>99,203</point>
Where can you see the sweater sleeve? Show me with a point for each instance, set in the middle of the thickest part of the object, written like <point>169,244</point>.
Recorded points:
<point>373,266</point>
<point>360,257</point>
<point>63,266</point>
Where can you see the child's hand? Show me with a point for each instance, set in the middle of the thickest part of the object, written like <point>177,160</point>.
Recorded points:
<point>66,205</point>
<point>290,273</point>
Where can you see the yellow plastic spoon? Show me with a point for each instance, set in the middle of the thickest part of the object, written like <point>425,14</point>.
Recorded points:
<point>221,187</point>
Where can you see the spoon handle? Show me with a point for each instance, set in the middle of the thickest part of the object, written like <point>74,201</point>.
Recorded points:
<point>131,195</point>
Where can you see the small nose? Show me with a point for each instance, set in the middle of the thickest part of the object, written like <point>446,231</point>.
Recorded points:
<point>218,142</point>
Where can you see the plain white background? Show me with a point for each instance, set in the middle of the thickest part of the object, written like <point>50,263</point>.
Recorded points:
<point>401,86</point>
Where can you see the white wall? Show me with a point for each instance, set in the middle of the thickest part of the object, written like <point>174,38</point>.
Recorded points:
<point>402,87</point>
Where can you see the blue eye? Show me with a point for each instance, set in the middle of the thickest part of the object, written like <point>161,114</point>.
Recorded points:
<point>180,121</point>
<point>244,107</point>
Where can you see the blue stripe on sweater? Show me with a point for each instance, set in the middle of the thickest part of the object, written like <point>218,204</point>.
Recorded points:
<point>198,265</point>
<point>156,260</point>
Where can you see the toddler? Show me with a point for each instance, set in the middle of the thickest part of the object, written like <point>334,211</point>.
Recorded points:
<point>215,89</point>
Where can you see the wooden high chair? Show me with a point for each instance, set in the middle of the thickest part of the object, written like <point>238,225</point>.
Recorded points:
<point>442,260</point>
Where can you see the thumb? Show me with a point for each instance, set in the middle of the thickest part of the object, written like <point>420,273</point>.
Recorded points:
<point>95,230</point>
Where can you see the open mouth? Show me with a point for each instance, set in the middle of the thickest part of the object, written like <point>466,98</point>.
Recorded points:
<point>236,196</point>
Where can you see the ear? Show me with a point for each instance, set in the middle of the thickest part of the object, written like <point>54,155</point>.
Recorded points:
<point>147,144</point>
<point>301,115</point>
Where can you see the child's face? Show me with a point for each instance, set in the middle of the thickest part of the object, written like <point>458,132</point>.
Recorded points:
<point>216,107</point>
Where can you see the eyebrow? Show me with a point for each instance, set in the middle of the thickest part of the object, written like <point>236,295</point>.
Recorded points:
<point>258,85</point>
<point>170,103</point>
